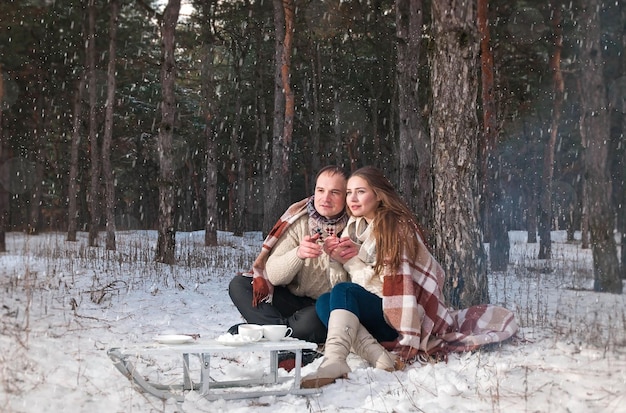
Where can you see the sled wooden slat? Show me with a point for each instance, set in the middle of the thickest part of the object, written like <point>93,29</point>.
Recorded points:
<point>207,386</point>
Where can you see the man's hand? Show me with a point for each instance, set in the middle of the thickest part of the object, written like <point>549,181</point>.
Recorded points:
<point>309,247</point>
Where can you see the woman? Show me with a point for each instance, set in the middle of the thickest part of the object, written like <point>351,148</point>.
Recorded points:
<point>396,290</point>
<point>353,311</point>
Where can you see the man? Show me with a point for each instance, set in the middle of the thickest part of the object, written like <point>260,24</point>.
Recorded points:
<point>293,265</point>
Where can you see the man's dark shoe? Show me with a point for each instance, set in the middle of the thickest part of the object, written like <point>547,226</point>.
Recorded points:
<point>287,359</point>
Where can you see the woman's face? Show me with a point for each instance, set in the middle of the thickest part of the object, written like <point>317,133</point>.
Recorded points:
<point>361,199</point>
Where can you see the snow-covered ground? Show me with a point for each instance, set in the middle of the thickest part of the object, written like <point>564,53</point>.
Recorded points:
<point>65,304</point>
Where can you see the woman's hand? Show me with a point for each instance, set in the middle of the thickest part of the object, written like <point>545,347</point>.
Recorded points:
<point>340,249</point>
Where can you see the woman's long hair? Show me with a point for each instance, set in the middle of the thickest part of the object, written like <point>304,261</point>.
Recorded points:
<point>395,227</point>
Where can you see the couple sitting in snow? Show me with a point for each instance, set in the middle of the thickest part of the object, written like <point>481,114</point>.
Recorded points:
<point>360,281</point>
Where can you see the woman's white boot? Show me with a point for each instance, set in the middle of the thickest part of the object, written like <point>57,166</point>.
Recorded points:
<point>342,329</point>
<point>366,346</point>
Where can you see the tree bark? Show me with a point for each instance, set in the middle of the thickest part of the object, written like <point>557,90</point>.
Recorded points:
<point>622,213</point>
<point>489,132</point>
<point>494,217</point>
<point>595,129</point>
<point>585,242</point>
<point>94,188</point>
<point>209,108</point>
<point>454,127</point>
<point>289,8</point>
<point>236,168</point>
<point>545,203</point>
<point>262,163</point>
<point>38,158</point>
<point>107,172</point>
<point>415,177</point>
<point>316,75</point>
<point>166,243</point>
<point>531,217</point>
<point>277,187</point>
<point>4,194</point>
<point>72,216</point>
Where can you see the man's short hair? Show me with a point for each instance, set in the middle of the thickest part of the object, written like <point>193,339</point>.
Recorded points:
<point>332,170</point>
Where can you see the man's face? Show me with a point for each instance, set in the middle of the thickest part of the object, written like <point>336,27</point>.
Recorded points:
<point>330,195</point>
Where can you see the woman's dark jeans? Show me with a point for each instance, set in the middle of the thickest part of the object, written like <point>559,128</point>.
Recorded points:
<point>366,306</point>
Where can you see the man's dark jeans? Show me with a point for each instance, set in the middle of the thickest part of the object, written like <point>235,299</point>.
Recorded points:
<point>286,308</point>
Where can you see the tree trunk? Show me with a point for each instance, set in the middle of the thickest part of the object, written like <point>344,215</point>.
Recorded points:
<point>236,175</point>
<point>545,203</point>
<point>107,173</point>
<point>290,106</point>
<point>316,75</point>
<point>622,215</point>
<point>489,132</point>
<point>72,216</point>
<point>94,188</point>
<point>494,217</point>
<point>4,194</point>
<point>39,122</point>
<point>584,215</point>
<point>36,198</point>
<point>415,177</point>
<point>595,128</point>
<point>337,138</point>
<point>210,133</point>
<point>531,201</point>
<point>210,228</point>
<point>622,110</point>
<point>166,243</point>
<point>277,188</point>
<point>258,190</point>
<point>454,127</point>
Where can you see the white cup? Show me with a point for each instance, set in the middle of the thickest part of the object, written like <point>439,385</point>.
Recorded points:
<point>276,332</point>
<point>252,331</point>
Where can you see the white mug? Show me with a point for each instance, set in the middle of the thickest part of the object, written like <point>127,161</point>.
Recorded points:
<point>252,331</point>
<point>276,332</point>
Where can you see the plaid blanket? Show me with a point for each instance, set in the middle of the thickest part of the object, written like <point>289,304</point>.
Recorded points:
<point>413,305</point>
<point>262,288</point>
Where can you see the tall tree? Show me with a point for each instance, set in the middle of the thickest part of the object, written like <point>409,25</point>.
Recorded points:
<point>493,219</point>
<point>532,141</point>
<point>277,188</point>
<point>261,122</point>
<point>94,188</point>
<point>311,92</point>
<point>209,108</point>
<point>72,185</point>
<point>77,120</point>
<point>454,127</point>
<point>545,202</point>
<point>595,129</point>
<point>236,167</point>
<point>107,171</point>
<point>40,115</point>
<point>622,109</point>
<point>166,242</point>
<point>4,194</point>
<point>415,181</point>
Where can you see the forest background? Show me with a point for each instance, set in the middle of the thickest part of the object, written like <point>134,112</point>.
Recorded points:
<point>488,115</point>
